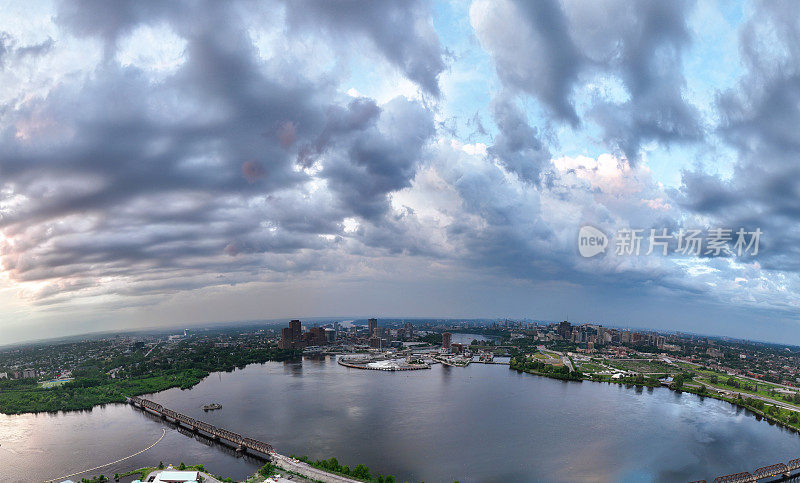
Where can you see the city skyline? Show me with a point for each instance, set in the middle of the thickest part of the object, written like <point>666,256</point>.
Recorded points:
<point>195,162</point>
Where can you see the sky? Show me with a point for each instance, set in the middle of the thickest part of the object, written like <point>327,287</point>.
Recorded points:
<point>174,163</point>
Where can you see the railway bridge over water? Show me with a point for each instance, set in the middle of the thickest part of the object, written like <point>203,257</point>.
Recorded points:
<point>778,470</point>
<point>242,443</point>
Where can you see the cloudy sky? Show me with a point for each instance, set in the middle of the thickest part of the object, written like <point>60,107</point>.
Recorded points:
<point>181,162</point>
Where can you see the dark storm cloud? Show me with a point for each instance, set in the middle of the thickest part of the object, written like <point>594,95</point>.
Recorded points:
<point>401,30</point>
<point>705,193</point>
<point>380,159</point>
<point>517,145</point>
<point>550,49</point>
<point>111,21</point>
<point>167,183</point>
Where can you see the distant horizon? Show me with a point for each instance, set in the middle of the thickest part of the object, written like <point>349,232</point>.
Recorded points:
<point>268,323</point>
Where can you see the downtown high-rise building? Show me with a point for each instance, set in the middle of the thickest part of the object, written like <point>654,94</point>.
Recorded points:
<point>291,337</point>
<point>447,340</point>
<point>372,324</point>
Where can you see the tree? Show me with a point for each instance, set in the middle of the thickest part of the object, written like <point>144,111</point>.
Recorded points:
<point>362,472</point>
<point>182,466</point>
<point>265,470</point>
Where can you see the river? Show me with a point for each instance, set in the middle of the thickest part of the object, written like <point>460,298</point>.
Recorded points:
<point>483,423</point>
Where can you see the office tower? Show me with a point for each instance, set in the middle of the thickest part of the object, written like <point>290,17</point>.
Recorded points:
<point>296,328</point>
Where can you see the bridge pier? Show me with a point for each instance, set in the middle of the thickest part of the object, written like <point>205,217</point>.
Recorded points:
<point>241,449</point>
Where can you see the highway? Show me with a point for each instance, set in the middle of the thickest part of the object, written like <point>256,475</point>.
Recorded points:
<point>567,362</point>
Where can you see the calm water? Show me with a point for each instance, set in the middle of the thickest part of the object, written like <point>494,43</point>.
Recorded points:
<point>482,423</point>
<point>466,339</point>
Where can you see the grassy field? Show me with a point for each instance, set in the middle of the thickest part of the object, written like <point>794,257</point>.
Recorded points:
<point>644,366</point>
<point>549,357</point>
<point>746,386</point>
<point>56,383</point>
<point>589,367</point>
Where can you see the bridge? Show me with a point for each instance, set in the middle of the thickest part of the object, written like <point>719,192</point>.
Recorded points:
<point>242,443</point>
<point>782,470</point>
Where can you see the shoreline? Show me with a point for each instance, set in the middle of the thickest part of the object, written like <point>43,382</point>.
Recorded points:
<point>688,389</point>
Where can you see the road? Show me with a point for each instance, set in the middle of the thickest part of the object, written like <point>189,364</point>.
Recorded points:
<point>151,349</point>
<point>746,395</point>
<point>309,471</point>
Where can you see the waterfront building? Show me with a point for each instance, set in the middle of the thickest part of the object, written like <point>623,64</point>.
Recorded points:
<point>446,340</point>
<point>291,337</point>
<point>169,476</point>
<point>297,329</point>
<point>315,336</point>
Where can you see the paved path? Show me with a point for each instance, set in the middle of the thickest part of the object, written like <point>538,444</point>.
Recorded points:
<point>309,471</point>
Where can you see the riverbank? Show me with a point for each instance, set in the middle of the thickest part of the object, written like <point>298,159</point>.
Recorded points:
<point>97,388</point>
<point>776,413</point>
